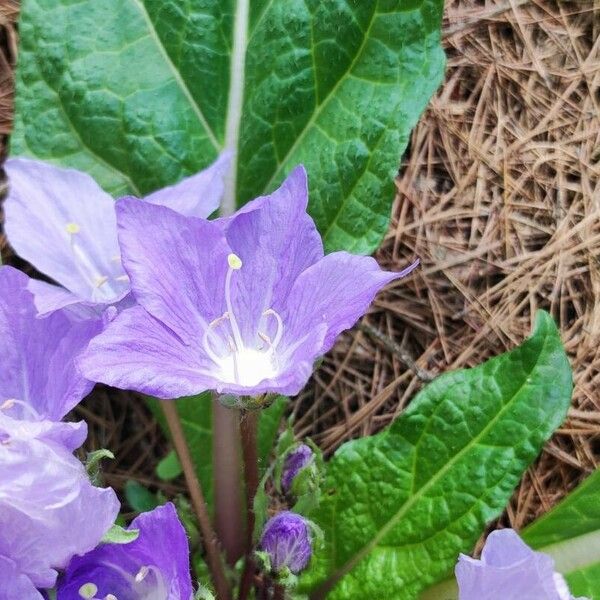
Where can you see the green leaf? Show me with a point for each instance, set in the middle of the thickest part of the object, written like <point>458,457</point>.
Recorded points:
<point>141,499</point>
<point>398,507</point>
<point>140,93</point>
<point>570,533</point>
<point>117,535</point>
<point>169,467</point>
<point>577,514</point>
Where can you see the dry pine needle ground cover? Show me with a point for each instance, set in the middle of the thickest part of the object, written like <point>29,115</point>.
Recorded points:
<point>499,195</point>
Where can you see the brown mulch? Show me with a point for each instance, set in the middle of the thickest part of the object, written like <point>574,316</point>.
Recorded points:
<point>499,196</point>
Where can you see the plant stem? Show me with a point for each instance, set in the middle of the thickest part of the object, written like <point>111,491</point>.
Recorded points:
<point>211,543</point>
<point>248,427</point>
<point>227,469</point>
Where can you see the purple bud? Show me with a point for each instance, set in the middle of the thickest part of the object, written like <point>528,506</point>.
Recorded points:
<point>287,541</point>
<point>295,461</point>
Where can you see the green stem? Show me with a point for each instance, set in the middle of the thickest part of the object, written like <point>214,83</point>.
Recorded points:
<point>227,469</point>
<point>210,540</point>
<point>248,428</point>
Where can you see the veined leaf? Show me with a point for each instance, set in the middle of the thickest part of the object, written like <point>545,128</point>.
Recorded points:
<point>398,507</point>
<point>140,93</point>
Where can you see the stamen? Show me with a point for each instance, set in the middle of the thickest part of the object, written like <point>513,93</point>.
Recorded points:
<point>235,264</point>
<point>27,408</point>
<point>88,591</point>
<point>110,597</point>
<point>207,332</point>
<point>72,228</point>
<point>141,574</point>
<point>100,280</point>
<point>122,278</point>
<point>279,331</point>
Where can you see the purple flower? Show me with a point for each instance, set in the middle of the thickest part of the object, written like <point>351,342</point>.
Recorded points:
<point>296,460</point>
<point>49,510</point>
<point>242,305</point>
<point>509,570</point>
<point>154,566</point>
<point>38,378</point>
<point>75,241</point>
<point>287,542</point>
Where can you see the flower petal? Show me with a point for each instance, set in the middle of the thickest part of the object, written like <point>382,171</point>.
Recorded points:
<point>137,352</point>
<point>38,353</point>
<point>177,265</point>
<point>49,510</point>
<point>336,292</point>
<point>276,240</point>
<point>162,545</point>
<point>14,585</point>
<point>196,196</point>
<point>64,224</point>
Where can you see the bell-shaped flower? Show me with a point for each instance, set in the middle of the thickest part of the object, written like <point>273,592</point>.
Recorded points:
<point>155,566</point>
<point>509,570</point>
<point>49,510</point>
<point>75,241</point>
<point>286,541</point>
<point>38,378</point>
<point>242,305</point>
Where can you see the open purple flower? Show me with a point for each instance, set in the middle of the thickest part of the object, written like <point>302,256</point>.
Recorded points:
<point>242,305</point>
<point>286,540</point>
<point>153,567</point>
<point>75,241</point>
<point>38,378</point>
<point>49,510</point>
<point>509,570</point>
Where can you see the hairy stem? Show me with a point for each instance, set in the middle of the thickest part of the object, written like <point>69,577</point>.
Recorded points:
<point>227,469</point>
<point>248,427</point>
<point>211,543</point>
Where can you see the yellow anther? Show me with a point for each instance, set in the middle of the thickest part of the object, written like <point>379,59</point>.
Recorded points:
<point>7,404</point>
<point>88,591</point>
<point>234,261</point>
<point>141,574</point>
<point>72,228</point>
<point>100,280</point>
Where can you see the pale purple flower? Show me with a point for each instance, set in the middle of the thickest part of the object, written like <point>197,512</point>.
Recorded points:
<point>14,585</point>
<point>49,510</point>
<point>242,305</point>
<point>38,378</point>
<point>153,567</point>
<point>295,461</point>
<point>64,224</point>
<point>286,540</point>
<point>509,570</point>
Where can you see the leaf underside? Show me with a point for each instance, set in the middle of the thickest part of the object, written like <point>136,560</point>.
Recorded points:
<point>140,93</point>
<point>398,507</point>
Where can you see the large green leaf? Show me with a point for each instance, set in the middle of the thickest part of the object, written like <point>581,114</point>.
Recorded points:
<point>398,507</point>
<point>142,92</point>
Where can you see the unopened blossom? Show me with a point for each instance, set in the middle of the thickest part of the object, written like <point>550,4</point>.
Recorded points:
<point>49,510</point>
<point>286,540</point>
<point>241,305</point>
<point>38,378</point>
<point>296,461</point>
<point>509,570</point>
<point>64,224</point>
<point>155,566</point>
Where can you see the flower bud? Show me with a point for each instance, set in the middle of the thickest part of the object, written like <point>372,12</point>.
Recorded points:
<point>286,540</point>
<point>296,460</point>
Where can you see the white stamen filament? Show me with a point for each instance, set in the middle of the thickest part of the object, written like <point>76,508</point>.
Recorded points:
<point>85,265</point>
<point>27,408</point>
<point>241,363</point>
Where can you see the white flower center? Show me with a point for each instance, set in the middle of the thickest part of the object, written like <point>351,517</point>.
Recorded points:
<point>240,363</point>
<point>147,584</point>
